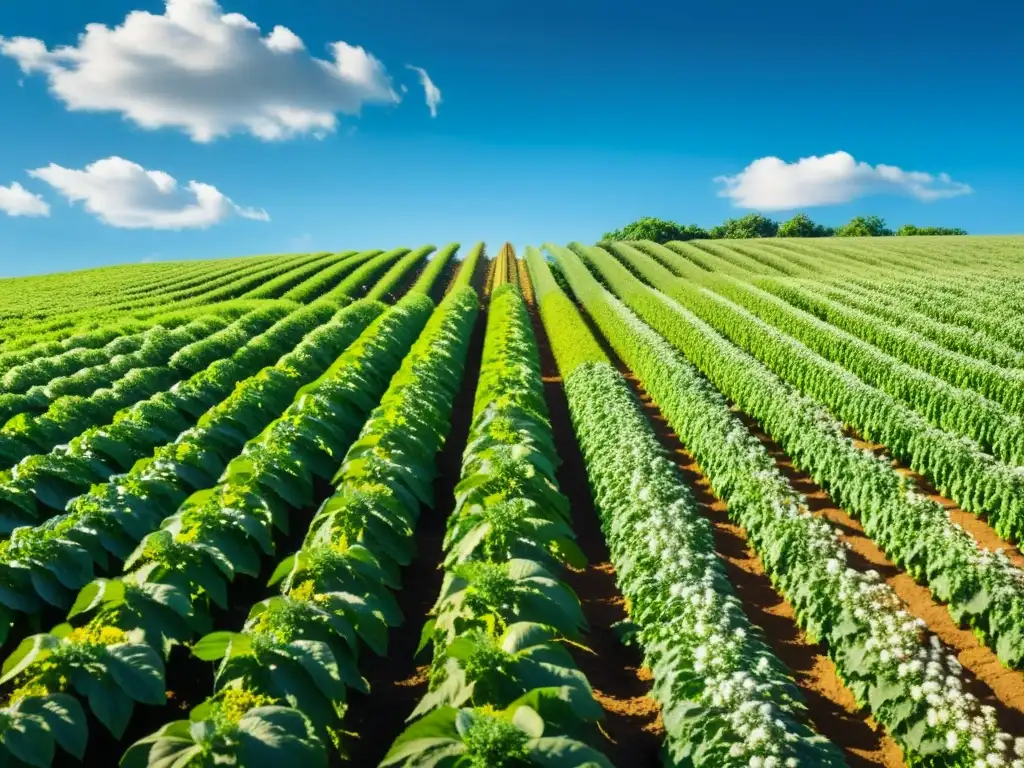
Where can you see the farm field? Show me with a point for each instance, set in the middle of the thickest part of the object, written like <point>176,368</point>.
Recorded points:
<point>711,503</point>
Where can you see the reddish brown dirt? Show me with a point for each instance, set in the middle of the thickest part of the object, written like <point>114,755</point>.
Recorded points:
<point>988,679</point>
<point>833,708</point>
<point>398,681</point>
<point>975,525</point>
<point>621,684</point>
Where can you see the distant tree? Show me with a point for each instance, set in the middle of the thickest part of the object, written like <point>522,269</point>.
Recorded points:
<point>649,228</point>
<point>910,229</point>
<point>745,227</point>
<point>693,232</point>
<point>864,226</point>
<point>802,226</point>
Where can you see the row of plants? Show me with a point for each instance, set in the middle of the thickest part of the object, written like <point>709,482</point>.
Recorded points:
<point>982,588</point>
<point>956,338</point>
<point>958,467</point>
<point>726,699</point>
<point>41,484</point>
<point>190,274</point>
<point>231,286</point>
<point>288,671</point>
<point>365,274</point>
<point>1002,385</point>
<point>503,688</point>
<point>911,682</point>
<point>401,270</point>
<point>158,346</point>
<point>110,651</point>
<point>316,286</point>
<point>47,564</point>
<point>96,328</point>
<point>28,434</point>
<point>42,368</point>
<point>955,410</point>
<point>923,298</point>
<point>276,288</point>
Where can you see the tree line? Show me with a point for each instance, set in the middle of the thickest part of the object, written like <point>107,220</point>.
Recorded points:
<point>757,225</point>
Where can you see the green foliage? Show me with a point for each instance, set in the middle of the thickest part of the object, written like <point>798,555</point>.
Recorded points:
<point>802,226</point>
<point>756,225</point>
<point>500,622</point>
<point>864,226</point>
<point>751,225</point>
<point>910,229</point>
<point>656,230</point>
<point>852,612</point>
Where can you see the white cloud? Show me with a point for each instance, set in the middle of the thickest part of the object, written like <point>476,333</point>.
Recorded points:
<point>124,194</point>
<point>433,93</point>
<point>15,200</point>
<point>773,184</point>
<point>207,73</point>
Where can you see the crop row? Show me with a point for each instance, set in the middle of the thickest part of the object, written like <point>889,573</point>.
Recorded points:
<point>289,668</point>
<point>179,573</point>
<point>47,564</point>
<point>67,416</point>
<point>503,688</point>
<point>712,671</point>
<point>955,410</point>
<point>911,682</point>
<point>982,588</point>
<point>157,349</point>
<point>40,484</point>
<point>955,338</point>
<point>1002,385</point>
<point>957,466</point>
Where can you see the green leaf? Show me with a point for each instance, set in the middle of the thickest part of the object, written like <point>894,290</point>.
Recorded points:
<point>218,645</point>
<point>64,719</point>
<point>138,670</point>
<point>436,730</point>
<point>100,591</point>
<point>271,737</point>
<point>27,740</point>
<point>29,651</point>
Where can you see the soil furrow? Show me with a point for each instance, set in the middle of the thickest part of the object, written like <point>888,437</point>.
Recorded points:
<point>621,683</point>
<point>398,680</point>
<point>832,707</point>
<point>988,679</point>
<point>974,524</point>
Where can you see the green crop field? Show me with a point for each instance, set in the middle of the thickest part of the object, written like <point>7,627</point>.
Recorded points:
<point>711,503</point>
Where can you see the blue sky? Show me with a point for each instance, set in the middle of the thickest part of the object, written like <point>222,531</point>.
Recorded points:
<point>558,121</point>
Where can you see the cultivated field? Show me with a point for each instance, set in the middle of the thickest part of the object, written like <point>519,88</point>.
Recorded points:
<point>716,503</point>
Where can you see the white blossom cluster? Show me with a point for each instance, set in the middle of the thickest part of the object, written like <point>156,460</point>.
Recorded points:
<point>699,644</point>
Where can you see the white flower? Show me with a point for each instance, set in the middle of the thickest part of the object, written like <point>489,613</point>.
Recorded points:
<point>952,740</point>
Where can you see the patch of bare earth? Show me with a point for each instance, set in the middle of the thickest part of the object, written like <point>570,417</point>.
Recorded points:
<point>988,679</point>
<point>632,722</point>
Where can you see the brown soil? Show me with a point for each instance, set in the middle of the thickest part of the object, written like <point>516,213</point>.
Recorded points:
<point>632,722</point>
<point>833,709</point>
<point>988,679</point>
<point>975,525</point>
<point>398,680</point>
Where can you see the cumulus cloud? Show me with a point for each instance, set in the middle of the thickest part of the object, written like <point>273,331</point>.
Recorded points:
<point>432,92</point>
<point>124,194</point>
<point>15,200</point>
<point>773,184</point>
<point>207,73</point>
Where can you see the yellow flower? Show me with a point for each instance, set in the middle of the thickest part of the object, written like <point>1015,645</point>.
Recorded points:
<point>304,592</point>
<point>26,691</point>
<point>97,635</point>
<point>237,702</point>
